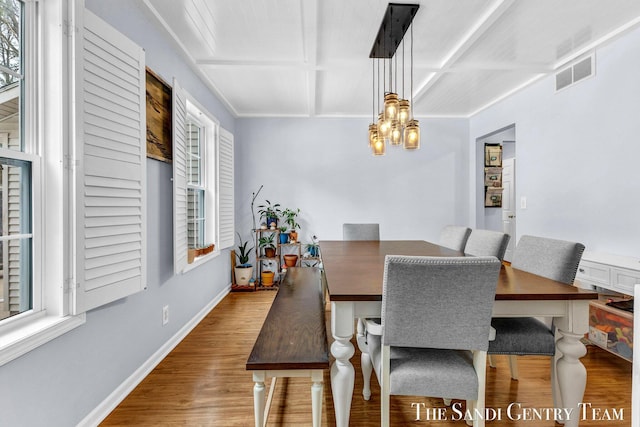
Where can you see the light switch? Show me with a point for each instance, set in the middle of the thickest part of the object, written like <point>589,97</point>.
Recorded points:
<point>523,202</point>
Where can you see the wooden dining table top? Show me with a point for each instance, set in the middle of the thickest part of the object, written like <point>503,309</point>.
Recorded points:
<point>354,272</point>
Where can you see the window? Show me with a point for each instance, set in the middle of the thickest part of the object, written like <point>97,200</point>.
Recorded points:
<point>203,181</point>
<point>196,186</point>
<point>70,251</point>
<point>16,238</point>
<point>200,148</point>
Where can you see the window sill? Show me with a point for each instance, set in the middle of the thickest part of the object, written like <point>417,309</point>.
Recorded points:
<point>25,334</point>
<point>201,260</point>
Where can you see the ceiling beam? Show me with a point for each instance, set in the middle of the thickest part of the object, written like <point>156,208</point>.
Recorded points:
<point>481,26</point>
<point>310,27</point>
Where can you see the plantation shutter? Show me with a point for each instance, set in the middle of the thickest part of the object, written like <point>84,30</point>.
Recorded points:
<point>111,166</point>
<point>180,237</point>
<point>225,190</point>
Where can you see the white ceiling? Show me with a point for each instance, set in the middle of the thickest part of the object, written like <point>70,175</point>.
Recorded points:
<point>311,57</point>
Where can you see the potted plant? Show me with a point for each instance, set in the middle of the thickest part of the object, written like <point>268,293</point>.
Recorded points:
<point>284,236</point>
<point>290,260</point>
<point>313,249</point>
<point>270,213</point>
<point>267,245</point>
<point>244,270</point>
<point>289,216</point>
<point>267,278</point>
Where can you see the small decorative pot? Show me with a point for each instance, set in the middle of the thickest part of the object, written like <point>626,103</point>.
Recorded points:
<point>313,251</point>
<point>284,238</point>
<point>267,278</point>
<point>290,260</point>
<point>243,275</point>
<point>293,236</point>
<point>269,252</point>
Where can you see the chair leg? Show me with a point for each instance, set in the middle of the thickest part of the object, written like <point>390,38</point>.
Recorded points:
<point>513,366</point>
<point>367,367</point>
<point>480,363</point>
<point>365,359</point>
<point>490,359</point>
<point>384,388</point>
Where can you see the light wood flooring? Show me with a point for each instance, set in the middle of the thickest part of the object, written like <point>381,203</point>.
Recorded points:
<point>203,382</point>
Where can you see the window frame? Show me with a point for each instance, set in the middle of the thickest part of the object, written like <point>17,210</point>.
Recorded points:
<point>210,126</point>
<point>45,54</point>
<point>55,47</point>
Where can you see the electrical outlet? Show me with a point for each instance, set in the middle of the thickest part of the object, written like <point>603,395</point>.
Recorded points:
<point>165,315</point>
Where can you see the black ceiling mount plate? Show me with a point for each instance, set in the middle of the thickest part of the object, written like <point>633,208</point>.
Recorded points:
<point>394,24</point>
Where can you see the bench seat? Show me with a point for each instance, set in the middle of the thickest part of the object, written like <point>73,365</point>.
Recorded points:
<point>293,339</point>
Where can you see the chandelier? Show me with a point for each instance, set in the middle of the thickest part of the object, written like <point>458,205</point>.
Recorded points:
<point>395,123</point>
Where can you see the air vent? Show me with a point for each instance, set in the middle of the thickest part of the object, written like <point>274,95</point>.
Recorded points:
<point>578,70</point>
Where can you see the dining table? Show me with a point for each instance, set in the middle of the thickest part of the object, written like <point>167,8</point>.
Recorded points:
<point>354,277</point>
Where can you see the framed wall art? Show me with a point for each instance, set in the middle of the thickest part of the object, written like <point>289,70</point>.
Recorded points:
<point>159,129</point>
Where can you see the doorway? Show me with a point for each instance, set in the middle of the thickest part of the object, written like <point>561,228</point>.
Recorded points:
<point>499,218</point>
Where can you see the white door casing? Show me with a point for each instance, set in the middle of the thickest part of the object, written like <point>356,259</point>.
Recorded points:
<point>509,204</point>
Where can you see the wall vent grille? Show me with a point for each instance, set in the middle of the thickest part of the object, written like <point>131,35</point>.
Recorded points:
<point>577,71</point>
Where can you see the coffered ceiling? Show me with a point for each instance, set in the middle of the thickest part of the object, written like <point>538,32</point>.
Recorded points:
<point>310,58</point>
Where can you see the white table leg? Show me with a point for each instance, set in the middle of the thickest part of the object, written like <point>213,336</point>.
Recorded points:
<point>365,359</point>
<point>316,397</point>
<point>571,374</point>
<point>342,371</point>
<point>258,398</point>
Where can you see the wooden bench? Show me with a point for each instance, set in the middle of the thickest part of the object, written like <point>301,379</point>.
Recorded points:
<point>292,341</point>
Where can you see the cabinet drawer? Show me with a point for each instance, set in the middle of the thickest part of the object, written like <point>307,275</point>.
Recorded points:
<point>594,273</point>
<point>624,280</point>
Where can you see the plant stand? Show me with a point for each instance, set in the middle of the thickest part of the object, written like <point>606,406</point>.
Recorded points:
<point>263,262</point>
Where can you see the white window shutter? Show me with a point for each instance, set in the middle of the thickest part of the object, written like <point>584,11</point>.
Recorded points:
<point>111,169</point>
<point>225,190</point>
<point>180,237</point>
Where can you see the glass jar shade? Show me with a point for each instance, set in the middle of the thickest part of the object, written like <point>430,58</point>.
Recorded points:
<point>412,135</point>
<point>395,137</point>
<point>373,134</point>
<point>384,126</point>
<point>404,112</point>
<point>378,147</point>
<point>391,105</point>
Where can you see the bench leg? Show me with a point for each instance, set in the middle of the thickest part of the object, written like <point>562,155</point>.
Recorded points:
<point>316,397</point>
<point>258,398</point>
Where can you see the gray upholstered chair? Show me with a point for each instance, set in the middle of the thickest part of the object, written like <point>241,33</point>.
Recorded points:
<point>434,334</point>
<point>487,243</point>
<point>360,231</point>
<point>550,258</point>
<point>454,237</point>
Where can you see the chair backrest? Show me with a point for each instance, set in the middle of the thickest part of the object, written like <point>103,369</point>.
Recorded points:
<point>438,302</point>
<point>360,231</point>
<point>454,237</point>
<point>487,243</point>
<point>550,258</point>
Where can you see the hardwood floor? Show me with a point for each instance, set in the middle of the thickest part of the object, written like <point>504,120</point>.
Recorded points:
<point>203,382</point>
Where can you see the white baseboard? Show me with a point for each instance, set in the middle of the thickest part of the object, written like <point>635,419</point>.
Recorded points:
<point>101,411</point>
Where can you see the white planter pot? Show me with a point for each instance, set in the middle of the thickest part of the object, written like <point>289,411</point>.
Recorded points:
<point>243,275</point>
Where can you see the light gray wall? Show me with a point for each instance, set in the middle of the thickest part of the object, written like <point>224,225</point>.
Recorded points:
<point>577,153</point>
<point>324,167</point>
<point>60,382</point>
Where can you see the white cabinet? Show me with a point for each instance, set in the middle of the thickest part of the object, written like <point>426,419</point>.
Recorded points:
<point>613,272</point>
